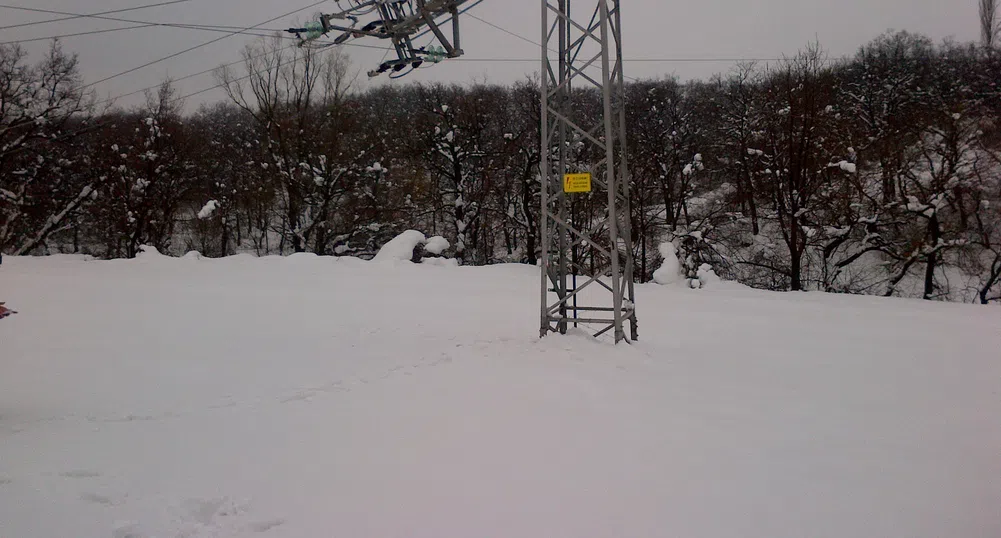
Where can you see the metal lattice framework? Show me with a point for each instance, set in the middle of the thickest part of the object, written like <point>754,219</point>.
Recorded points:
<point>399,21</point>
<point>583,44</point>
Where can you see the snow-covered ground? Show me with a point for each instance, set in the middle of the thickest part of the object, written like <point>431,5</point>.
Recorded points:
<point>317,397</point>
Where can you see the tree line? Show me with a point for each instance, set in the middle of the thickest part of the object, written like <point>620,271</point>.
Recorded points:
<point>875,174</point>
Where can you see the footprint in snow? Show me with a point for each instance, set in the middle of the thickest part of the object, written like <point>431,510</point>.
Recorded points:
<point>97,499</point>
<point>225,404</point>
<point>127,530</point>
<point>301,397</point>
<point>207,511</point>
<point>336,386</point>
<point>265,526</point>
<point>80,474</point>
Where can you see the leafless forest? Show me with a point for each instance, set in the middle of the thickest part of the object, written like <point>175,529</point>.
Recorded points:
<point>877,174</point>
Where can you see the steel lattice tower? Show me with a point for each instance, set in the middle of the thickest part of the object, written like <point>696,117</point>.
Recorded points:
<point>589,253</point>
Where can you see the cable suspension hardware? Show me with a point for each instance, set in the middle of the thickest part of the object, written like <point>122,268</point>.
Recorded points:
<point>400,21</point>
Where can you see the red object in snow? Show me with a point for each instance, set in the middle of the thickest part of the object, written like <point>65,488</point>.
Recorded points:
<point>4,311</point>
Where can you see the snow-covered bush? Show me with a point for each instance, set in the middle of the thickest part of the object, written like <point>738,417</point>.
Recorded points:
<point>704,277</point>
<point>436,246</point>
<point>674,270</point>
<point>413,246</point>
<point>670,270</point>
<point>403,247</point>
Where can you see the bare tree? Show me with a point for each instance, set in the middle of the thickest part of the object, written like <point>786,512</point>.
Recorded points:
<point>989,25</point>
<point>798,146</point>
<point>43,109</point>
<point>455,154</point>
<point>296,97</point>
<point>146,176</point>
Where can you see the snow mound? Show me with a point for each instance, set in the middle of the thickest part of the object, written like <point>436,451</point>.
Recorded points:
<point>670,270</point>
<point>301,257</point>
<point>436,245</point>
<point>193,255</point>
<point>208,210</point>
<point>148,252</point>
<point>846,166</point>
<point>706,277</point>
<point>441,262</point>
<point>401,247</point>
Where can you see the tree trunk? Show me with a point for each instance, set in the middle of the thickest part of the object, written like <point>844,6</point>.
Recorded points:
<point>795,273</point>
<point>530,247</point>
<point>889,186</point>
<point>935,234</point>
<point>746,193</point>
<point>753,207</point>
<point>224,246</point>
<point>993,278</point>
<point>796,255</point>
<point>460,231</point>
<point>668,206</point>
<point>239,230</point>
<point>643,268</point>
<point>526,204</point>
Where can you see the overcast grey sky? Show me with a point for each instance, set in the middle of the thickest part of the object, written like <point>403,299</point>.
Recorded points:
<point>652,29</point>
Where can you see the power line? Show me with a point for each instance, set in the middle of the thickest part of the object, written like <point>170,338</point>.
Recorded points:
<point>77,16</point>
<point>203,27</point>
<point>98,125</point>
<point>186,77</point>
<point>141,24</point>
<point>628,60</point>
<point>226,29</point>
<point>702,60</point>
<point>189,49</point>
<point>465,59</point>
<point>632,60</point>
<point>506,31</point>
<point>248,75</point>
<point>207,71</point>
<point>527,40</point>
<point>92,32</point>
<point>205,90</point>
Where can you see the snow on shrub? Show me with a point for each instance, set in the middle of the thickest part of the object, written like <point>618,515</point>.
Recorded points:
<point>208,209</point>
<point>705,277</point>
<point>436,245</point>
<point>413,246</point>
<point>669,271</point>
<point>148,251</point>
<point>674,270</point>
<point>401,247</point>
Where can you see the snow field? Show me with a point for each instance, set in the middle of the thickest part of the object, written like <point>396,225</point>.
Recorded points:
<point>307,396</point>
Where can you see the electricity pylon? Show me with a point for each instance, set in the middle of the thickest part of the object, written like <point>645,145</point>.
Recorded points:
<point>594,252</point>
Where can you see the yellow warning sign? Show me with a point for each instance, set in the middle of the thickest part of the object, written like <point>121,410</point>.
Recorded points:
<point>577,183</point>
